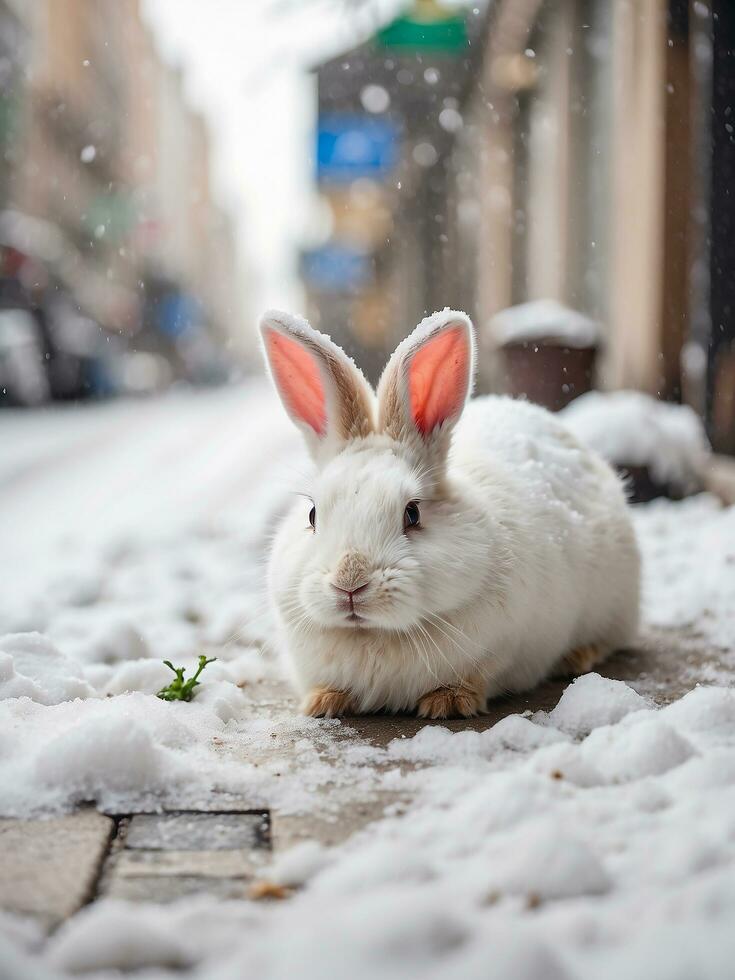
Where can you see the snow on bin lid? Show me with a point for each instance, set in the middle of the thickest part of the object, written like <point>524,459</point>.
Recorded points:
<point>629,428</point>
<point>545,320</point>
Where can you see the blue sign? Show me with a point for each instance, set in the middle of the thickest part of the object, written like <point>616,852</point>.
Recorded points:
<point>336,269</point>
<point>178,313</point>
<point>351,146</point>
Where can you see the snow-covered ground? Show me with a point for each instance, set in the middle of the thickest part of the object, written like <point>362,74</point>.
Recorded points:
<point>595,840</point>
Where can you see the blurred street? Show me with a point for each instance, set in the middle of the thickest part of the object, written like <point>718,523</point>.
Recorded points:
<point>486,157</point>
<point>80,485</point>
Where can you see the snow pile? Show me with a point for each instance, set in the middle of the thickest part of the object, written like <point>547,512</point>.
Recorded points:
<point>630,428</point>
<point>134,751</point>
<point>544,321</point>
<point>32,667</point>
<point>101,759</point>
<point>649,748</point>
<point>133,943</point>
<point>299,863</point>
<point>437,744</point>
<point>591,700</point>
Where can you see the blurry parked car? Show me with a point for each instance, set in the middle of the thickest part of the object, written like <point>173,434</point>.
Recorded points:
<point>81,352</point>
<point>23,379</point>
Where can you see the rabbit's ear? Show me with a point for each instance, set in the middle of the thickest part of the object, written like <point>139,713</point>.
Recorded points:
<point>322,390</point>
<point>427,381</point>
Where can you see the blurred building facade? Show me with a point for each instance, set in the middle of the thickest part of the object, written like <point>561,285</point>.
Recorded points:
<point>389,111</point>
<point>105,181</point>
<point>573,150</point>
<point>13,59</point>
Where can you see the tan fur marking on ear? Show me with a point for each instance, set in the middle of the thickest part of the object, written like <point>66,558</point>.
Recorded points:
<point>355,411</point>
<point>390,417</point>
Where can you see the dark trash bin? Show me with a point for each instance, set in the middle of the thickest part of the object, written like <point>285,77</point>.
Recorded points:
<point>549,352</point>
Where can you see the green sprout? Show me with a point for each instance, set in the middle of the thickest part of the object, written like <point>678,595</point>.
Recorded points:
<point>179,689</point>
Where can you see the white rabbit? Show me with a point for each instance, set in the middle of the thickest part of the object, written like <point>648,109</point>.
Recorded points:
<point>452,551</point>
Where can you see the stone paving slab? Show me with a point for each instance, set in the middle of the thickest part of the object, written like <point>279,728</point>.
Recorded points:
<point>200,864</point>
<point>291,829</point>
<point>195,831</point>
<point>158,857</point>
<point>49,868</point>
<point>170,888</point>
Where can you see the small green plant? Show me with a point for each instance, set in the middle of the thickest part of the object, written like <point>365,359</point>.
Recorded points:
<point>179,689</point>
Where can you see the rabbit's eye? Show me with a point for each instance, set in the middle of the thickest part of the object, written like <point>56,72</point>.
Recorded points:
<point>411,515</point>
<point>312,517</point>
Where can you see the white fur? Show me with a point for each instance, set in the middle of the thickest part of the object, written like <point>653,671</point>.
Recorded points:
<point>526,552</point>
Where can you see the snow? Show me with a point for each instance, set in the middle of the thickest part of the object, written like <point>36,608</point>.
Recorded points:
<point>439,744</point>
<point>547,321</point>
<point>592,840</point>
<point>549,864</point>
<point>134,942</point>
<point>690,550</point>
<point>494,862</point>
<point>299,863</point>
<point>622,754</point>
<point>630,428</point>
<point>591,700</point>
<point>101,760</point>
<point>134,751</point>
<point>32,667</point>
<point>705,709</point>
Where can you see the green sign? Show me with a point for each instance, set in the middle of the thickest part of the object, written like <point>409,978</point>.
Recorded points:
<point>428,27</point>
<point>9,113</point>
<point>111,215</point>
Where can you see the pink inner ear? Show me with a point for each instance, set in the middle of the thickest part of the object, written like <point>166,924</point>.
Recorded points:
<point>296,373</point>
<point>438,379</point>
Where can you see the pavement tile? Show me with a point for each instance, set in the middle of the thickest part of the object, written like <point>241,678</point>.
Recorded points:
<point>170,888</point>
<point>202,864</point>
<point>196,831</point>
<point>49,868</point>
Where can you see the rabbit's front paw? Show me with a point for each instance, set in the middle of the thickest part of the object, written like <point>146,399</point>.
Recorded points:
<point>581,660</point>
<point>323,702</point>
<point>456,701</point>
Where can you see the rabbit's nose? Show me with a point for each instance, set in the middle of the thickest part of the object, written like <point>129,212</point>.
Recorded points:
<point>351,574</point>
<point>350,592</point>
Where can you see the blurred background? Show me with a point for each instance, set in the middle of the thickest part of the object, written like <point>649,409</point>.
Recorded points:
<point>563,170</point>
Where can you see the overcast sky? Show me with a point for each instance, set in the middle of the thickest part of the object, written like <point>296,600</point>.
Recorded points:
<point>245,63</point>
